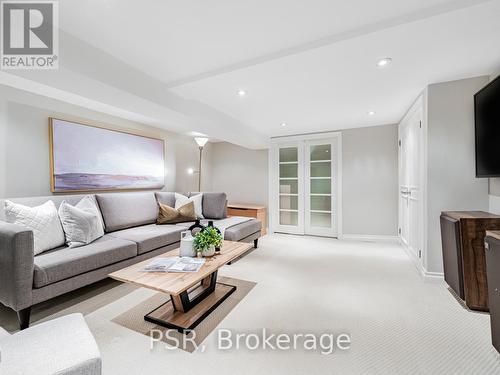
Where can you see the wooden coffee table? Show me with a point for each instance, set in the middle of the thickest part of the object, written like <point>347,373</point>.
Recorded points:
<point>193,296</point>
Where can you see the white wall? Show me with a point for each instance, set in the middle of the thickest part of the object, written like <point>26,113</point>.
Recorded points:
<point>240,172</point>
<point>24,143</point>
<point>451,181</point>
<point>187,156</point>
<point>370,161</point>
<point>370,181</point>
<point>494,197</point>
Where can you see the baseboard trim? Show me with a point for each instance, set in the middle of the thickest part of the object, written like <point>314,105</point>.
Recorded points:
<point>369,238</point>
<point>427,275</point>
<point>432,275</point>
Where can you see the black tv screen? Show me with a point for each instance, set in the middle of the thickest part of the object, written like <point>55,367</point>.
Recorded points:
<point>487,124</point>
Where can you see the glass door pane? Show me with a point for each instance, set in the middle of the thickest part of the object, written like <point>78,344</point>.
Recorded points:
<point>319,191</point>
<point>289,186</point>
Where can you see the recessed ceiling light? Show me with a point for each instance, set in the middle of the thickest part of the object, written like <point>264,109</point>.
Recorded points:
<point>371,113</point>
<point>242,92</point>
<point>384,62</point>
<point>283,124</point>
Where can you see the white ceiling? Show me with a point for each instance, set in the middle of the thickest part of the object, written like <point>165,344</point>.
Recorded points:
<point>311,64</point>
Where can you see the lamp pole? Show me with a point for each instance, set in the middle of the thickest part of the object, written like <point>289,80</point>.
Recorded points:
<point>199,169</point>
<point>200,141</point>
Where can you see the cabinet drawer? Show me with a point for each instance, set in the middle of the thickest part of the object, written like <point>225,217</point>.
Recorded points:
<point>247,212</point>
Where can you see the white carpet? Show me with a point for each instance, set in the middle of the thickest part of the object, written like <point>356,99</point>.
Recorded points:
<point>399,324</point>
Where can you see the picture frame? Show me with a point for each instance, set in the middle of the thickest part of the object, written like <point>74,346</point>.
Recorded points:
<point>86,157</point>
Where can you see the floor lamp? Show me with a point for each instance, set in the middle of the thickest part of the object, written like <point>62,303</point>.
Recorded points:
<point>201,141</point>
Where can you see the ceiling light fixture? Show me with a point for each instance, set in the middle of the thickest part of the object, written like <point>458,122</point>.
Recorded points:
<point>371,113</point>
<point>384,62</point>
<point>283,124</point>
<point>242,92</point>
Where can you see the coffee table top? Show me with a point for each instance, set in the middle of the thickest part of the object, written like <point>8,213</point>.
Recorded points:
<point>177,282</point>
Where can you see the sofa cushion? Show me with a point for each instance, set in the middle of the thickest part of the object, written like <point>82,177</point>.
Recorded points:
<point>126,210</point>
<point>169,215</point>
<point>214,205</point>
<point>151,237</point>
<point>43,220</point>
<point>181,200</point>
<point>243,230</point>
<point>64,262</point>
<point>82,223</point>
<point>166,198</point>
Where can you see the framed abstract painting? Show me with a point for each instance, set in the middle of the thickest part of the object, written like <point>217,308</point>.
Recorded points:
<point>90,158</point>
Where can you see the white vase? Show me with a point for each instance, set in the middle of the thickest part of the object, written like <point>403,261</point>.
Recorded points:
<point>210,252</point>
<point>186,248</point>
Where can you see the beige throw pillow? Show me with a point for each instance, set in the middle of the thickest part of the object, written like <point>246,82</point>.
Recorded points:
<point>169,215</point>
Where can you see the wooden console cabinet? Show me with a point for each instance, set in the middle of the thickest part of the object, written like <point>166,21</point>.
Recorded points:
<point>492,246</point>
<point>463,234</point>
<point>249,210</point>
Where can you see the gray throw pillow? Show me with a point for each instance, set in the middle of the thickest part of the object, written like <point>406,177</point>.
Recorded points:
<point>215,205</point>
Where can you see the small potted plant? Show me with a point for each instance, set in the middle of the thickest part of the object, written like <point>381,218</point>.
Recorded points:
<point>206,241</point>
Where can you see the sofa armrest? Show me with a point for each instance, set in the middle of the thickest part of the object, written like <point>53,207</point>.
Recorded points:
<point>16,266</point>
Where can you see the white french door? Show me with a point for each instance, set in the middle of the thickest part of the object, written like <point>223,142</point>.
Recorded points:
<point>320,188</point>
<point>290,195</point>
<point>304,198</point>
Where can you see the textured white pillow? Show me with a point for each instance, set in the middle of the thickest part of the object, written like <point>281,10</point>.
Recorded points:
<point>42,220</point>
<point>181,200</point>
<point>82,223</point>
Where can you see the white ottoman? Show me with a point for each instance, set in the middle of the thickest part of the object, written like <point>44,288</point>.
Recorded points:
<point>60,346</point>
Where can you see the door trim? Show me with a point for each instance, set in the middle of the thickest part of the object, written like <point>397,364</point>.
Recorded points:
<point>418,107</point>
<point>274,174</point>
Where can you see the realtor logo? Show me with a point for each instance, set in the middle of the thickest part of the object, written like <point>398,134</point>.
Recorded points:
<point>29,37</point>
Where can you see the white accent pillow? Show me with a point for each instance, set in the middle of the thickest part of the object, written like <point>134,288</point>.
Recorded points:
<point>181,200</point>
<point>82,223</point>
<point>43,220</point>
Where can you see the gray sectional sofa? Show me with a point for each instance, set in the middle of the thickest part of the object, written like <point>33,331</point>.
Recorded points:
<point>131,236</point>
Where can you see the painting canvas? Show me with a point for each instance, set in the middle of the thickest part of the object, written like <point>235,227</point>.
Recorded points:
<point>86,158</point>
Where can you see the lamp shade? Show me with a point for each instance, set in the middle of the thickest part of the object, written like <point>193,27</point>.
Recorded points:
<point>201,141</point>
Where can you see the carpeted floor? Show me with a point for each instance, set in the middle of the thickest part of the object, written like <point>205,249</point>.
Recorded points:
<point>398,323</point>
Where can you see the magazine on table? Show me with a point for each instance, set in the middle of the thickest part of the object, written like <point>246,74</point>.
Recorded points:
<point>174,264</point>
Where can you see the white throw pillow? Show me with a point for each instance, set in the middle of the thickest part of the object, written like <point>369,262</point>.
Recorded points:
<point>181,200</point>
<point>82,223</point>
<point>42,220</point>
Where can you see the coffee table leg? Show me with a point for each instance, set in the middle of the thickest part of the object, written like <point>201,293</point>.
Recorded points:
<point>186,310</point>
<point>190,298</point>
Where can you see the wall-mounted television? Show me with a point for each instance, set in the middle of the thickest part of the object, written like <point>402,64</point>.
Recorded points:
<point>487,125</point>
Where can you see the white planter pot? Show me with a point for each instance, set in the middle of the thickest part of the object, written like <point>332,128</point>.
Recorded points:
<point>210,252</point>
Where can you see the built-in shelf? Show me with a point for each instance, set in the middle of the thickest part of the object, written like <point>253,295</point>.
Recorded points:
<point>320,211</point>
<point>289,162</point>
<point>319,195</point>
<point>289,195</point>
<point>320,178</point>
<point>287,210</point>
<point>289,178</point>
<point>320,161</point>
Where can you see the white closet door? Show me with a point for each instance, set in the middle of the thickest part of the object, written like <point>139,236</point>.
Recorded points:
<point>290,205</point>
<point>321,173</point>
<point>410,177</point>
